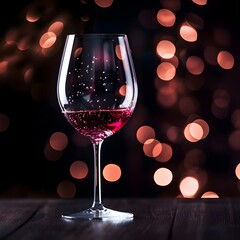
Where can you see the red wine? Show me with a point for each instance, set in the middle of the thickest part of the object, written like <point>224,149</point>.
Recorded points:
<point>98,124</point>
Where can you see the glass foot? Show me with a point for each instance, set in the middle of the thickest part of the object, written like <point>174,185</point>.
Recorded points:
<point>104,214</point>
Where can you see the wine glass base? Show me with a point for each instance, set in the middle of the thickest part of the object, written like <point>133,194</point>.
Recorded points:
<point>104,214</point>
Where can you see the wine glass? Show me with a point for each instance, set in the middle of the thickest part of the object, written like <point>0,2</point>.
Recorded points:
<point>97,93</point>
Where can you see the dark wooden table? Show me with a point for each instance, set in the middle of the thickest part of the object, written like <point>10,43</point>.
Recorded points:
<point>154,219</point>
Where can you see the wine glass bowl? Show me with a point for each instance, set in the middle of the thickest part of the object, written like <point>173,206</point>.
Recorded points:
<point>97,93</point>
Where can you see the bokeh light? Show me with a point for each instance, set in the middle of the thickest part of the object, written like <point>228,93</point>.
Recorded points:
<point>225,59</point>
<point>195,20</point>
<point>234,140</point>
<point>32,15</point>
<point>4,122</point>
<point>164,153</point>
<point>189,186</point>
<point>163,176</point>
<point>58,141</point>
<point>66,189</point>
<point>104,3</point>
<point>166,17</point>
<point>210,194</point>
<point>47,40</point>
<point>120,52</point>
<point>166,49</point>
<point>237,171</point>
<point>78,169</point>
<point>200,2</point>
<point>123,90</point>
<point>112,172</point>
<point>152,147</point>
<point>188,33</point>
<point>144,133</point>
<point>195,65</point>
<point>3,66</point>
<point>173,133</point>
<point>56,27</point>
<point>235,118</point>
<point>220,104</point>
<point>193,132</point>
<point>174,5</point>
<point>166,71</point>
<point>196,130</point>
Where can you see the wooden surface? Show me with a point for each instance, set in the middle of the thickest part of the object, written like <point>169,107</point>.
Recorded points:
<point>153,219</point>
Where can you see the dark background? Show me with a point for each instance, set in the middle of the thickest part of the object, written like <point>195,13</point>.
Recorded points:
<point>34,114</point>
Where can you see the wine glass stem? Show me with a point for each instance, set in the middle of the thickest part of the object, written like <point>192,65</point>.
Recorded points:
<point>97,200</point>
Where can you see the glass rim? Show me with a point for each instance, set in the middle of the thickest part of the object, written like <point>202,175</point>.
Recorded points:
<point>98,34</point>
